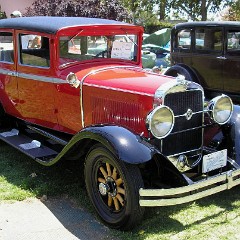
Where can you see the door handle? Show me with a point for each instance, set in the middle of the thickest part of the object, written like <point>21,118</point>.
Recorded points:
<point>221,57</point>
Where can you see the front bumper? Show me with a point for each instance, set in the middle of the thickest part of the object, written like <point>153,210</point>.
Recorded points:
<point>197,190</point>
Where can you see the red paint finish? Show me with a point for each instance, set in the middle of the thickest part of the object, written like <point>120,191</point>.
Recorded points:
<point>112,91</point>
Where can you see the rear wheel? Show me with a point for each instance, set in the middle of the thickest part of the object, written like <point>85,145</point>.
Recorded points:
<point>113,187</point>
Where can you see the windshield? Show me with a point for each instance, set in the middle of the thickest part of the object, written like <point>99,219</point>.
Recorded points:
<point>83,48</point>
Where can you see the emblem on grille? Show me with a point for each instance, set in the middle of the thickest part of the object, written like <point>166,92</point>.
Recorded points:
<point>189,114</point>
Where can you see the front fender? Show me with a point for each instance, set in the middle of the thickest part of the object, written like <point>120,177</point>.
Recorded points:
<point>126,145</point>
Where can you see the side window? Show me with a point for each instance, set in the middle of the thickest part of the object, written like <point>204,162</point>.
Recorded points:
<point>208,39</point>
<point>6,47</point>
<point>233,38</point>
<point>34,50</point>
<point>183,40</point>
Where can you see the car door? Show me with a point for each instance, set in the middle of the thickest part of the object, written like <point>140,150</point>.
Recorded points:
<point>207,58</point>
<point>35,76</point>
<point>8,82</point>
<point>182,46</point>
<point>231,68</point>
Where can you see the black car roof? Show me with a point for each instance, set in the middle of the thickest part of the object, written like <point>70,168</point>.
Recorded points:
<point>53,24</point>
<point>208,23</point>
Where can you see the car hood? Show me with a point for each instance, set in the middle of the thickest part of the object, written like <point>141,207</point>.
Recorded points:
<point>132,79</point>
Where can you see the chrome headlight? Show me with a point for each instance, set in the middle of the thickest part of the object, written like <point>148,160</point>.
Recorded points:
<point>221,108</point>
<point>160,121</point>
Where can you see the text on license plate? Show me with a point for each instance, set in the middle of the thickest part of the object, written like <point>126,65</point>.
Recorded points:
<point>214,161</point>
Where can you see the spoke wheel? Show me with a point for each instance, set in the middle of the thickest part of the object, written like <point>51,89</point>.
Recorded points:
<point>113,187</point>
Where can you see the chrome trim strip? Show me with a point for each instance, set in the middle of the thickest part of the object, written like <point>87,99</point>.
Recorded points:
<point>91,73</point>
<point>7,72</point>
<point>168,197</point>
<point>41,78</point>
<point>33,77</point>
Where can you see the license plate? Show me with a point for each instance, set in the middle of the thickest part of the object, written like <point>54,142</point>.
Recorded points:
<point>214,161</point>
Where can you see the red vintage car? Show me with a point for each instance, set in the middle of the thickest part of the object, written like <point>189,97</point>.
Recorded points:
<point>139,134</point>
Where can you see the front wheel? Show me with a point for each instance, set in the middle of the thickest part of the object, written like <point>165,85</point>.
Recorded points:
<point>113,187</point>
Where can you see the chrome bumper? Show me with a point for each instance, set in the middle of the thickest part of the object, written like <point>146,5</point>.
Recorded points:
<point>200,189</point>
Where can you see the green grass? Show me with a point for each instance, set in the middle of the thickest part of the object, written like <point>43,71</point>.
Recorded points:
<point>215,217</point>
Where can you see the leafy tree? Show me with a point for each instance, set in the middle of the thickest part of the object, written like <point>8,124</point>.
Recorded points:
<point>197,9</point>
<point>109,9</point>
<point>2,14</point>
<point>232,13</point>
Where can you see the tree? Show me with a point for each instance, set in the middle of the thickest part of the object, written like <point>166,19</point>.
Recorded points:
<point>232,13</point>
<point>197,10</point>
<point>2,14</point>
<point>109,9</point>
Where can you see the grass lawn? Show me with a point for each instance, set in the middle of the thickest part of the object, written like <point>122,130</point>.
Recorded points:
<point>215,217</point>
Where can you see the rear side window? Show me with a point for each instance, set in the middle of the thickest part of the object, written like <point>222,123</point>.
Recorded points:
<point>34,50</point>
<point>183,40</point>
<point>233,41</point>
<point>208,39</point>
<point>6,47</point>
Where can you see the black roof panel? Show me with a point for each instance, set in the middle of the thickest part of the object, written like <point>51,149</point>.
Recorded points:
<point>53,24</point>
<point>208,23</point>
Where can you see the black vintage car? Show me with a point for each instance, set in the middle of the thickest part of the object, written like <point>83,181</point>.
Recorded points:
<point>208,53</point>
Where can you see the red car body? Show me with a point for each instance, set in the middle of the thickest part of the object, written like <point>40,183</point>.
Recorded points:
<point>78,91</point>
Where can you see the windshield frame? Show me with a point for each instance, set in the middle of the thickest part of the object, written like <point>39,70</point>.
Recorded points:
<point>95,31</point>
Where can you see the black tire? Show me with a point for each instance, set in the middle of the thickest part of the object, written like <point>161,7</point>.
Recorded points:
<point>113,187</point>
<point>174,71</point>
<point>3,120</point>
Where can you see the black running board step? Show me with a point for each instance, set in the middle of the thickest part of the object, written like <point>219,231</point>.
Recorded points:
<point>28,146</point>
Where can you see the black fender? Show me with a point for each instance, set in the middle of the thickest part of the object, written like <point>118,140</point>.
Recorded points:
<point>184,70</point>
<point>124,144</point>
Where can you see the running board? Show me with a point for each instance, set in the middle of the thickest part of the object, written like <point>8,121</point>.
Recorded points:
<point>31,147</point>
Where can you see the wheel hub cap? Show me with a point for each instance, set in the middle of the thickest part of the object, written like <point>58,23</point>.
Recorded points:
<point>103,189</point>
<point>108,188</point>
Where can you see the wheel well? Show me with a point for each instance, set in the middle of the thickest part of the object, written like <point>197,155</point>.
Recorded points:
<point>184,70</point>
<point>80,149</point>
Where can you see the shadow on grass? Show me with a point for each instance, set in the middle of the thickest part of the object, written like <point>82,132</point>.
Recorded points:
<point>66,179</point>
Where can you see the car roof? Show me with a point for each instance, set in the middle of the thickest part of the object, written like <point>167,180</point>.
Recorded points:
<point>208,23</point>
<point>53,24</point>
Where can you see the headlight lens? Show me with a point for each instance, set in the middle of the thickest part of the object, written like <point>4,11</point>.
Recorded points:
<point>221,109</point>
<point>160,121</point>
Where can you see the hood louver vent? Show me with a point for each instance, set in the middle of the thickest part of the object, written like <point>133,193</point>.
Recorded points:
<point>108,111</point>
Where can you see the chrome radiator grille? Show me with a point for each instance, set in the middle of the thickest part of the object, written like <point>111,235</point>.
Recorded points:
<point>186,134</point>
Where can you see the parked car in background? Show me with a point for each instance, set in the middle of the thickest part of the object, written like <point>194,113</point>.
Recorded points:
<point>209,54</point>
<point>159,44</point>
<point>143,139</point>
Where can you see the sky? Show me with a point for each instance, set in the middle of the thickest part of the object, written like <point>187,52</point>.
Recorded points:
<point>11,5</point>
